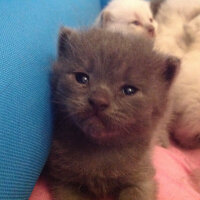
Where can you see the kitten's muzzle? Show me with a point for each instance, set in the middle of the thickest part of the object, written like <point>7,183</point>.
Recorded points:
<point>99,101</point>
<point>150,30</point>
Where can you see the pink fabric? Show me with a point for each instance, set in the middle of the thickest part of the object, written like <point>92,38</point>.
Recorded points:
<point>177,174</point>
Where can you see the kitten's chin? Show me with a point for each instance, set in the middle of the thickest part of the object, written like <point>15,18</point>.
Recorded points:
<point>97,131</point>
<point>102,137</point>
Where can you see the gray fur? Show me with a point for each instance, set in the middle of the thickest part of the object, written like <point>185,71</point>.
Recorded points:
<point>106,152</point>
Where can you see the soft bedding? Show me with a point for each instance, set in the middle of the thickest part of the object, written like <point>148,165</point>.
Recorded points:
<point>177,175</point>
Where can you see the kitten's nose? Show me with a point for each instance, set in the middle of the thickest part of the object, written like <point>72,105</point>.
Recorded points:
<point>99,101</point>
<point>151,30</point>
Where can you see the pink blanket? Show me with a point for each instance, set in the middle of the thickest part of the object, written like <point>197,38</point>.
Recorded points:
<point>177,174</point>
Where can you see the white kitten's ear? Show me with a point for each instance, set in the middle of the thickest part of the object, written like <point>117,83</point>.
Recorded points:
<point>172,68</point>
<point>106,17</point>
<point>64,41</point>
<point>155,6</point>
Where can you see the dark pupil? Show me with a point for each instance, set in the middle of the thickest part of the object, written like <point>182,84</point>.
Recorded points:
<point>82,78</point>
<point>129,90</point>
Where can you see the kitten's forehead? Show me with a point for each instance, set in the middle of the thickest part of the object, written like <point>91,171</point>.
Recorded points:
<point>108,46</point>
<point>128,10</point>
<point>112,56</point>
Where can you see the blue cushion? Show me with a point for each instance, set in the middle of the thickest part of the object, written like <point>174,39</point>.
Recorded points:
<point>104,3</point>
<point>28,37</point>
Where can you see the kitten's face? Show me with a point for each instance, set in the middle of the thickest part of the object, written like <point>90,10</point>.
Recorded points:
<point>109,86</point>
<point>132,18</point>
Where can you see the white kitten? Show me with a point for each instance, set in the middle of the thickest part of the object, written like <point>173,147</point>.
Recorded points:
<point>179,35</point>
<point>172,16</point>
<point>128,16</point>
<point>186,92</point>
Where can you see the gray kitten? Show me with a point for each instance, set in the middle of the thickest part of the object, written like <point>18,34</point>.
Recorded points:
<point>109,93</point>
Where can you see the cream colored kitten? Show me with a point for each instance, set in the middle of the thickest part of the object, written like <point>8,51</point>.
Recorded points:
<point>128,16</point>
<point>179,35</point>
<point>186,93</point>
<point>172,17</point>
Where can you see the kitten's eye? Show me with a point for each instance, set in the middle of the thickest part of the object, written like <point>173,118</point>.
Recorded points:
<point>135,22</point>
<point>151,20</point>
<point>82,78</point>
<point>129,90</point>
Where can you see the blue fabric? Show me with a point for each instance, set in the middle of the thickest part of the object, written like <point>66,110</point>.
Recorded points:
<point>28,37</point>
<point>104,3</point>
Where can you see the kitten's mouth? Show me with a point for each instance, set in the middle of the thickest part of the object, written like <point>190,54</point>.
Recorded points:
<point>151,34</point>
<point>97,128</point>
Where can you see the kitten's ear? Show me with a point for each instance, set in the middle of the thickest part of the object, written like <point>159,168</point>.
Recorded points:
<point>155,6</point>
<point>171,68</point>
<point>64,41</point>
<point>106,17</point>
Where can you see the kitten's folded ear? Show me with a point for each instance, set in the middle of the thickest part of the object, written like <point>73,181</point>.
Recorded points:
<point>64,41</point>
<point>172,68</point>
<point>155,6</point>
<point>106,17</point>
